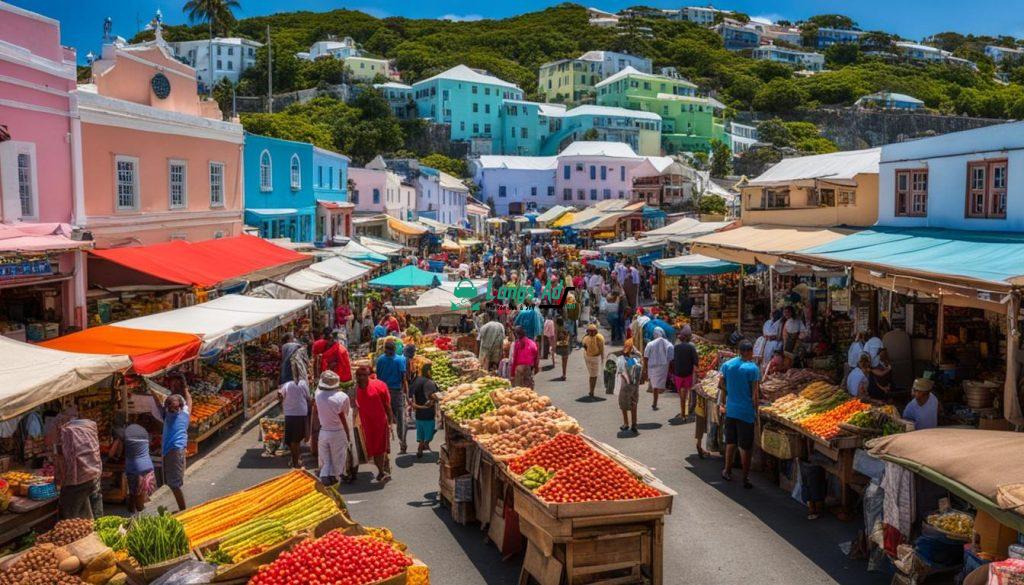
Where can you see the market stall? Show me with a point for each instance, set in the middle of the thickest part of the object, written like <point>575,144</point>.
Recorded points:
<point>703,288</point>
<point>407,277</point>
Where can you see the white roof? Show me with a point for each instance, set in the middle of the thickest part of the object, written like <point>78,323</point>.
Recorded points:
<point>693,99</point>
<point>31,375</point>
<point>518,163</point>
<point>386,247</point>
<point>554,213</point>
<point>297,285</point>
<point>888,95</point>
<point>339,270</point>
<point>392,85</point>
<point>597,148</point>
<point>591,110</point>
<point>918,47</point>
<point>463,73</point>
<point>452,183</point>
<point>634,72</point>
<point>660,163</point>
<point>835,166</point>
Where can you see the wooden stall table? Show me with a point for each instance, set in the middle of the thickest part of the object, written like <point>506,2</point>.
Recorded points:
<point>31,513</point>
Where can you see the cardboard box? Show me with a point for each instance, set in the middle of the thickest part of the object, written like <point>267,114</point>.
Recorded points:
<point>992,537</point>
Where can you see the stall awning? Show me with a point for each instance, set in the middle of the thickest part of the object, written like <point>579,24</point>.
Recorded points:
<point>150,351</point>
<point>554,213</point>
<point>540,231</point>
<point>205,264</point>
<point>309,282</point>
<point>441,299</point>
<point>273,213</point>
<point>38,237</point>
<point>405,228</point>
<point>694,265</point>
<point>983,467</point>
<point>335,205</point>
<point>406,277</point>
<point>339,271</point>
<point>361,253</point>
<point>634,246</point>
<point>31,375</point>
<point>226,321</point>
<point>763,243</point>
<point>436,226</point>
<point>495,220</point>
<point>567,218</point>
<point>967,258</point>
<point>469,242</point>
<point>449,245</point>
<point>385,247</point>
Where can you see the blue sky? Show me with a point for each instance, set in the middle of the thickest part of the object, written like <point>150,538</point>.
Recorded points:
<point>83,21</point>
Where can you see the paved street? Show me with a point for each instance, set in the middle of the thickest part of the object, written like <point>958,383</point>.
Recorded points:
<point>717,533</point>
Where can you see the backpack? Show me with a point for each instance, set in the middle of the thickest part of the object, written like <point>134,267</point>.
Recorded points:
<point>634,371</point>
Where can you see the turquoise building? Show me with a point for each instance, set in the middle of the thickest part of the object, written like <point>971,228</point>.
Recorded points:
<point>330,190</point>
<point>469,102</point>
<point>279,194</point>
<point>536,129</point>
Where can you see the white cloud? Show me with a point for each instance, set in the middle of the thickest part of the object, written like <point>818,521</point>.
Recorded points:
<point>768,18</point>
<point>461,17</point>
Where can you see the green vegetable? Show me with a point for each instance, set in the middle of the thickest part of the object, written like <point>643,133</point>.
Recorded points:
<point>535,477</point>
<point>154,539</point>
<point>473,406</point>
<point>104,522</point>
<point>219,557</point>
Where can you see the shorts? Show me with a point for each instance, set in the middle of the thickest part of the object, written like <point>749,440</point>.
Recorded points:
<point>593,365</point>
<point>294,429</point>
<point>629,396</point>
<point>174,468</point>
<point>142,483</point>
<point>425,430</point>
<point>563,350</point>
<point>739,432</point>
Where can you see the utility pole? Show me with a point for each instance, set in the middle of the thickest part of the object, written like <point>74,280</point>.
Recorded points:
<point>210,69</point>
<point>270,74</point>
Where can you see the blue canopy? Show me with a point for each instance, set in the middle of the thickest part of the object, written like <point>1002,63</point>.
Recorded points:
<point>996,257</point>
<point>694,265</point>
<point>406,277</point>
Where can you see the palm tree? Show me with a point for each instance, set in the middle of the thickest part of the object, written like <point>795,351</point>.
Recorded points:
<point>218,14</point>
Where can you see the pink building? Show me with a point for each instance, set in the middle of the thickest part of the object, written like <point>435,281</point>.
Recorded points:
<point>42,279</point>
<point>159,163</point>
<point>588,172</point>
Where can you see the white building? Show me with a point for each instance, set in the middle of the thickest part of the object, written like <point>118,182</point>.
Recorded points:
<point>702,15</point>
<point>959,180</point>
<point>342,49</point>
<point>929,54</point>
<point>742,136</point>
<point>526,182</point>
<point>231,56</point>
<point>997,53</point>
<point>602,18</point>
<point>800,59</point>
<point>441,197</point>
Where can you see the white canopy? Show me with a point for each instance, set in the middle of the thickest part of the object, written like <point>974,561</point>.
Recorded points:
<point>839,167</point>
<point>440,300</point>
<point>553,214</point>
<point>31,375</point>
<point>381,246</point>
<point>223,322</point>
<point>297,285</point>
<point>634,246</point>
<point>339,270</point>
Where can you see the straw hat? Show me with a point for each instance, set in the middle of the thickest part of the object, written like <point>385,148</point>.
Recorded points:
<point>329,381</point>
<point>923,385</point>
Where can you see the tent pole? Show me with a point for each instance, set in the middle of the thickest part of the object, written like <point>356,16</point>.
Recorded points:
<point>1011,397</point>
<point>739,303</point>
<point>245,385</point>
<point>771,289</point>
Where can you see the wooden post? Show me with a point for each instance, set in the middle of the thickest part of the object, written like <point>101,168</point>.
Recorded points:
<point>771,289</point>
<point>940,331</point>
<point>739,302</point>
<point>1011,398</point>
<point>245,385</point>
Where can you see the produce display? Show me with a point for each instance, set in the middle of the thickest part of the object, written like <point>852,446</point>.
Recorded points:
<point>953,523</point>
<point>111,530</point>
<point>820,408</point>
<point>594,478</point>
<point>522,431</point>
<point>790,382</point>
<point>155,539</point>
<point>67,531</point>
<point>708,385</point>
<point>826,424</point>
<point>443,373</point>
<point>472,407</point>
<point>41,565</point>
<point>535,477</point>
<point>553,455</point>
<point>877,421</point>
<point>334,558</point>
<point>250,539</point>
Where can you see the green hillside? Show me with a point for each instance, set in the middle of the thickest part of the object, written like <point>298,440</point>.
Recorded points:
<point>513,48</point>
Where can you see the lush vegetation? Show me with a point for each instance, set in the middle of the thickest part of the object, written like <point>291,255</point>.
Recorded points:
<point>453,166</point>
<point>803,136</point>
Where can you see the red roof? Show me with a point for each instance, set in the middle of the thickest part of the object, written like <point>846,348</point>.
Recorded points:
<point>205,263</point>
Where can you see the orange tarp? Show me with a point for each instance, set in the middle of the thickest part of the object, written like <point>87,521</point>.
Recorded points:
<point>151,351</point>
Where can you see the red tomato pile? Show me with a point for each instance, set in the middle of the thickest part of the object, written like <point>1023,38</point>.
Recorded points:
<point>594,478</point>
<point>558,453</point>
<point>443,343</point>
<point>334,558</point>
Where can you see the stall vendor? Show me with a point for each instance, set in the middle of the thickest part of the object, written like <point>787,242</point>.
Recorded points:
<point>923,410</point>
<point>78,468</point>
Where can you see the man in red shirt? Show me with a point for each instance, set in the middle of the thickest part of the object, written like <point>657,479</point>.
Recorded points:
<point>390,322</point>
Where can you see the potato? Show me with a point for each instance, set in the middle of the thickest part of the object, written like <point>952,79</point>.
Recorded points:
<point>70,565</point>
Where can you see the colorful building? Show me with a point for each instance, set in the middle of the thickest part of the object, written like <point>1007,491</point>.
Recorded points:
<point>805,60</point>
<point>573,80</point>
<point>375,189</point>
<point>330,190</point>
<point>159,163</point>
<point>688,122</point>
<point>890,101</point>
<point>399,97</point>
<point>231,57</point>
<point>469,102</point>
<point>535,129</point>
<point>366,69</point>
<point>41,186</point>
<point>279,198</point>
<point>737,36</point>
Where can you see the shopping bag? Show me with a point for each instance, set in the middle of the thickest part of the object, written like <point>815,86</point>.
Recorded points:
<point>712,442</point>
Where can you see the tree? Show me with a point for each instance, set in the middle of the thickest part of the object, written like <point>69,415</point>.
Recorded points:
<point>841,54</point>
<point>590,135</point>
<point>712,204</point>
<point>769,70</point>
<point>774,131</point>
<point>447,164</point>
<point>223,94</point>
<point>832,21</point>
<point>700,160</point>
<point>217,14</point>
<point>721,158</point>
<point>779,95</point>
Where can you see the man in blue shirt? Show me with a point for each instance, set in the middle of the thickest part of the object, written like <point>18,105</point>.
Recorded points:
<point>529,319</point>
<point>738,390</point>
<point>391,370</point>
<point>174,412</point>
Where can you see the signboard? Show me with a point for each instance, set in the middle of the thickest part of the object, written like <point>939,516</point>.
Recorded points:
<point>12,267</point>
<point>840,300</point>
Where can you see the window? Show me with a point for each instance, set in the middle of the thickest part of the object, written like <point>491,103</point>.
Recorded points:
<point>593,194</point>
<point>355,195</point>
<point>216,184</point>
<point>487,91</point>
<point>462,126</point>
<point>622,174</point>
<point>127,182</point>
<point>266,177</point>
<point>376,196</point>
<point>487,108</point>
<point>476,107</point>
<point>231,65</point>
<point>296,173</point>
<point>219,64</point>
<point>26,185</point>
<point>581,194</point>
<point>607,193</point>
<point>565,172</point>
<point>551,191</point>
<point>579,167</point>
<point>177,177</point>
<point>822,197</point>
<point>487,129</point>
<point>593,172</point>
<point>476,128</point>
<point>523,132</point>
<point>533,191</point>
<point>501,191</point>
<point>473,89</point>
<point>986,189</point>
<point>319,176</point>
<point>218,50</point>
<point>622,195</point>
<point>847,198</point>
<point>604,173</point>
<point>567,194</point>
<point>775,198</point>
<point>912,192</point>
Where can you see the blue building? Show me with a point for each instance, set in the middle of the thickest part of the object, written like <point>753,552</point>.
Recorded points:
<point>888,100</point>
<point>737,36</point>
<point>837,36</point>
<point>330,190</point>
<point>279,194</point>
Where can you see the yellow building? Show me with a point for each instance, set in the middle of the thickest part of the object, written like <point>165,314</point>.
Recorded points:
<point>365,69</point>
<point>823,190</point>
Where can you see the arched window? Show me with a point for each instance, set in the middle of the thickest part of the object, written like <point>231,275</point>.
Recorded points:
<point>266,183</point>
<point>296,173</point>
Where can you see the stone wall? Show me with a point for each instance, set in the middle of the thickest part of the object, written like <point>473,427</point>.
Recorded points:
<point>423,138</point>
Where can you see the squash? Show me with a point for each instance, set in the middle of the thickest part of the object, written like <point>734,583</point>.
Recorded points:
<point>70,564</point>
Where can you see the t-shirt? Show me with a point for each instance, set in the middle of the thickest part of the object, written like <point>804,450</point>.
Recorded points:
<point>593,344</point>
<point>924,417</point>
<point>658,352</point>
<point>136,449</point>
<point>294,396</point>
<point>530,321</point>
<point>526,353</point>
<point>331,405</point>
<point>854,380</point>
<point>739,375</point>
<point>390,370</point>
<point>684,359</point>
<point>872,348</point>
<point>853,354</point>
<point>491,335</point>
<point>422,389</point>
<point>175,434</point>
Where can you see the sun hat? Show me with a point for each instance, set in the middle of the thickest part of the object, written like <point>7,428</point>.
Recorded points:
<point>923,385</point>
<point>329,381</point>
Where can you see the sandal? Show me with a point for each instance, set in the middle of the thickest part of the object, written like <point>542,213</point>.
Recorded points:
<point>624,428</point>
<point>726,476</point>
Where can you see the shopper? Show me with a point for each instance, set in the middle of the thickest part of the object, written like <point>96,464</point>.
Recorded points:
<point>629,374</point>
<point>131,444</point>
<point>295,404</point>
<point>738,388</point>
<point>657,357</point>
<point>636,327</point>
<point>684,363</point>
<point>78,468</point>
<point>491,337</point>
<point>376,417</point>
<point>424,395</point>
<point>391,369</point>
<point>857,381</point>
<point>549,340</point>
<point>332,410</point>
<point>525,360</point>
<point>563,345</point>
<point>294,362</point>
<point>174,412</point>
<point>572,317</point>
<point>335,357</point>
<point>593,355</point>
<point>923,410</point>
<point>771,331</point>
<point>529,319</point>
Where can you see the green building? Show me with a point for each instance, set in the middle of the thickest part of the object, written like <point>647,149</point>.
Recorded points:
<point>572,81</point>
<point>688,121</point>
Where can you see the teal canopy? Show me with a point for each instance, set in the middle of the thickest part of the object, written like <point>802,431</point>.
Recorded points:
<point>694,265</point>
<point>987,256</point>
<point>407,277</point>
